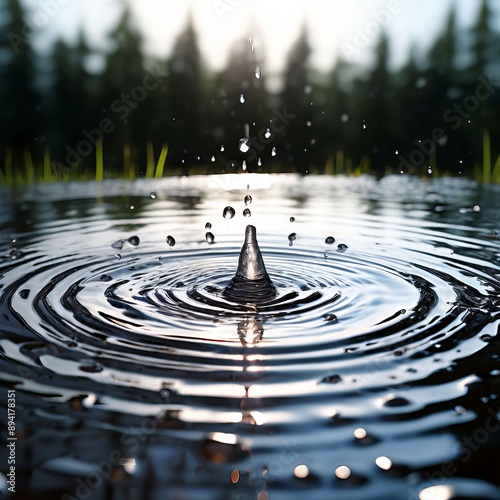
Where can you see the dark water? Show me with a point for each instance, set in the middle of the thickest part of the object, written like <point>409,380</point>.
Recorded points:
<point>374,374</point>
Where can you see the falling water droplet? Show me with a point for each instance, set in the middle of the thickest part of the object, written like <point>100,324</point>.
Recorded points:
<point>118,256</point>
<point>292,236</point>
<point>152,195</point>
<point>222,148</point>
<point>170,241</point>
<point>341,247</point>
<point>429,170</point>
<point>364,126</point>
<point>259,162</point>
<point>292,219</point>
<point>134,240</point>
<point>267,133</point>
<point>250,41</point>
<point>273,152</point>
<point>247,200</point>
<point>257,71</point>
<point>244,144</point>
<point>210,238</point>
<point>247,213</point>
<point>118,244</point>
<point>330,240</point>
<point>208,225</point>
<point>244,166</point>
<point>228,213</point>
<point>242,98</point>
<point>213,158</point>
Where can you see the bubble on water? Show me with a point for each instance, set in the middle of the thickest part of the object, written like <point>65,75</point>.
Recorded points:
<point>208,225</point>
<point>244,144</point>
<point>330,240</point>
<point>228,213</point>
<point>342,247</point>
<point>210,238</point>
<point>273,151</point>
<point>152,195</point>
<point>259,162</point>
<point>222,148</point>
<point>292,236</point>
<point>242,98</point>
<point>170,241</point>
<point>134,240</point>
<point>246,212</point>
<point>257,71</point>
<point>213,159</point>
<point>292,219</point>
<point>267,133</point>
<point>247,200</point>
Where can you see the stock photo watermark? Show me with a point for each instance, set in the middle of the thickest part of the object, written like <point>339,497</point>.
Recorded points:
<point>224,7</point>
<point>454,116</point>
<point>11,440</point>
<point>121,109</point>
<point>379,20</point>
<point>47,10</point>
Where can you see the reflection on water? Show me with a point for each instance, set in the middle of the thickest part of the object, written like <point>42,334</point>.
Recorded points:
<point>372,371</point>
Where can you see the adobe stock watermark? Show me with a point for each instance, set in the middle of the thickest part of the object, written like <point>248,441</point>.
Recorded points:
<point>224,7</point>
<point>281,463</point>
<point>454,117</point>
<point>121,109</point>
<point>132,440</point>
<point>465,447</point>
<point>33,23</point>
<point>380,19</point>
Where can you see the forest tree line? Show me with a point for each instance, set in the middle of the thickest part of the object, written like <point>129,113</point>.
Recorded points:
<point>438,112</point>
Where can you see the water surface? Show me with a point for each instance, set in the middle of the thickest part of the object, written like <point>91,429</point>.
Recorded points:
<point>373,374</point>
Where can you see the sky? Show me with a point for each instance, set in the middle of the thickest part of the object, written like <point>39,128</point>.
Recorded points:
<point>336,27</point>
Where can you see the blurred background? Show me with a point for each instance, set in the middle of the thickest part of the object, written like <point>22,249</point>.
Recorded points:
<point>101,89</point>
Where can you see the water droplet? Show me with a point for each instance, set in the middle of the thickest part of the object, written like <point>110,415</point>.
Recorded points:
<point>330,240</point>
<point>257,71</point>
<point>106,277</point>
<point>118,256</point>
<point>152,195</point>
<point>307,89</point>
<point>364,126</point>
<point>24,294</point>
<point>292,236</point>
<point>244,166</point>
<point>210,238</point>
<point>332,379</point>
<point>118,244</point>
<point>208,225</point>
<point>242,98</point>
<point>429,170</point>
<point>244,144</point>
<point>301,471</point>
<point>165,393</point>
<point>134,240</point>
<point>273,151</point>
<point>308,124</point>
<point>330,317</point>
<point>344,118</point>
<point>228,213</point>
<point>394,401</point>
<point>267,133</point>
<point>342,247</point>
<point>383,462</point>
<point>90,366</point>
<point>292,219</point>
<point>213,158</point>
<point>246,212</point>
<point>132,207</point>
<point>460,410</point>
<point>342,472</point>
<point>222,148</point>
<point>259,162</point>
<point>247,199</point>
<point>170,241</point>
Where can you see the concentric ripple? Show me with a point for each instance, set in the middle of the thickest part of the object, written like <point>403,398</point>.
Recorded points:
<point>356,333</point>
